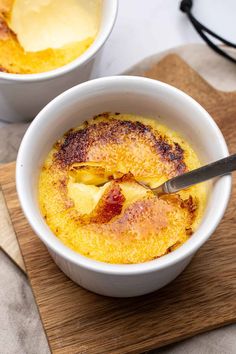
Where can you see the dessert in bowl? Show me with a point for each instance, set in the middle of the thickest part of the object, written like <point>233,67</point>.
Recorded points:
<point>43,35</point>
<point>34,66</point>
<point>90,196</point>
<point>127,273</point>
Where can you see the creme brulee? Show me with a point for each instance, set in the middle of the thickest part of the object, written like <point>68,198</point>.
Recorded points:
<point>90,198</point>
<point>42,35</point>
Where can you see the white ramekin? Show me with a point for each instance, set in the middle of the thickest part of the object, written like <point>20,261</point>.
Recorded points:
<point>125,94</point>
<point>23,96</point>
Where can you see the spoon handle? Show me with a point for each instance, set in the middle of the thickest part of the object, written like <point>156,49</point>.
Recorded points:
<point>201,174</point>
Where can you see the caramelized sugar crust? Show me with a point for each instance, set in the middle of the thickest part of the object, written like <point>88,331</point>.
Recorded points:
<point>81,145</point>
<point>91,200</point>
<point>5,31</point>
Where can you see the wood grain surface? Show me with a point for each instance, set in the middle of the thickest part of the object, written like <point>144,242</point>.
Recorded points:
<point>202,298</point>
<point>8,240</point>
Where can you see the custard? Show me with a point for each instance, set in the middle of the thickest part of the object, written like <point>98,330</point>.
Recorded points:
<point>42,35</point>
<point>90,197</point>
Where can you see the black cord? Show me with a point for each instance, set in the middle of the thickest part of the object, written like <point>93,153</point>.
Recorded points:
<point>186,7</point>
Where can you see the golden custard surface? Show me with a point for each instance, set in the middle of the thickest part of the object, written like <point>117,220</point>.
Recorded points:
<point>13,57</point>
<point>119,221</point>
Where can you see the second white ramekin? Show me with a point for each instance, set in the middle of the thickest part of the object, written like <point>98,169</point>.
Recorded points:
<point>22,96</point>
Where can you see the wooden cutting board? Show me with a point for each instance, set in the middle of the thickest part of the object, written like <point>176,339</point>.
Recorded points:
<point>202,298</point>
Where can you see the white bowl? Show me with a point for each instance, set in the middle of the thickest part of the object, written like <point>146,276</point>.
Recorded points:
<point>22,96</point>
<point>125,94</point>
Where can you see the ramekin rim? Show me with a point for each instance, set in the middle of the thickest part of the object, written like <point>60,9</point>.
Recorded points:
<point>126,269</point>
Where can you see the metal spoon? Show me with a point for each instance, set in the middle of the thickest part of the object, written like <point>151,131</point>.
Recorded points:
<point>217,168</point>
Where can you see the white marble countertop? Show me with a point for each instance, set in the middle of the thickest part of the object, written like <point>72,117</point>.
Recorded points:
<point>143,28</point>
<point>146,27</point>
